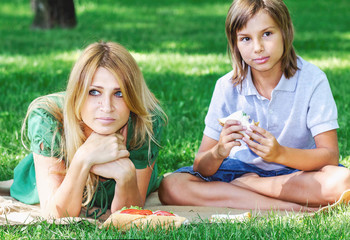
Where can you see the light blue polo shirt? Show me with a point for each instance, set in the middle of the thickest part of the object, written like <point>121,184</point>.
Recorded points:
<point>300,108</point>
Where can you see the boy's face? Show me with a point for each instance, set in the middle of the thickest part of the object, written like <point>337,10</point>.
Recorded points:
<point>260,44</point>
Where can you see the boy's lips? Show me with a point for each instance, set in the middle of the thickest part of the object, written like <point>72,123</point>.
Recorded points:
<point>261,60</point>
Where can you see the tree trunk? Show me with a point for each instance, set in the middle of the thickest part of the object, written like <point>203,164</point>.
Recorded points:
<point>53,13</point>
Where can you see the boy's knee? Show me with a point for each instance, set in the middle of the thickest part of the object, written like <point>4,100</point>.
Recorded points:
<point>338,181</point>
<point>173,189</point>
<point>167,190</point>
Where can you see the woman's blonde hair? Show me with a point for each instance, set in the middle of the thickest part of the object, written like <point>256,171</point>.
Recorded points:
<point>142,103</point>
<point>240,12</point>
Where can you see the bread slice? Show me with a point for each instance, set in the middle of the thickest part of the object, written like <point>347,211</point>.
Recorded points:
<point>124,221</point>
<point>153,221</point>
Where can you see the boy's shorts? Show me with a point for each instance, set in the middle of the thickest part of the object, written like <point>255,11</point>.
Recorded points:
<point>231,169</point>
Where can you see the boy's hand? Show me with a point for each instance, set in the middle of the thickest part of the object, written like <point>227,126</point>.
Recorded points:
<point>228,138</point>
<point>265,144</point>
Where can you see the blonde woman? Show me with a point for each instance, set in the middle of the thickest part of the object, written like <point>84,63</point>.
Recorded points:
<point>96,143</point>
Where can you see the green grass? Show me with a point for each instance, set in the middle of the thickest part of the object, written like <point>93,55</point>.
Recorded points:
<point>180,46</point>
<point>334,225</point>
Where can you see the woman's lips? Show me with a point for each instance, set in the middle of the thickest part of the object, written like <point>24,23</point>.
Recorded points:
<point>261,60</point>
<point>106,120</point>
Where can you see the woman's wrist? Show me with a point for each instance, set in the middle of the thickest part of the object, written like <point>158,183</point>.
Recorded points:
<point>82,160</point>
<point>128,177</point>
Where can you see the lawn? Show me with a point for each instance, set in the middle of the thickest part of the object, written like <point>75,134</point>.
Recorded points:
<point>180,46</point>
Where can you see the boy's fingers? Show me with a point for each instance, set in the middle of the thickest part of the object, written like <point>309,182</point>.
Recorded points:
<point>232,122</point>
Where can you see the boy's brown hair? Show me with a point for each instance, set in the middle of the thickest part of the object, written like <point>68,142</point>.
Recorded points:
<point>240,12</point>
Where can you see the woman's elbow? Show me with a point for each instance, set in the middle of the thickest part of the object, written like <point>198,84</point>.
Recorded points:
<point>54,212</point>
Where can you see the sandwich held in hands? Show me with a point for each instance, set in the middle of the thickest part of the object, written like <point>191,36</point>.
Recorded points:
<point>126,218</point>
<point>243,118</point>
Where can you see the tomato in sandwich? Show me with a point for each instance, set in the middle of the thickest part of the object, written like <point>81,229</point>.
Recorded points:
<point>137,211</point>
<point>163,213</point>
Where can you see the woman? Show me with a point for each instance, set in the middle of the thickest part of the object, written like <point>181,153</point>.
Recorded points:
<point>96,143</point>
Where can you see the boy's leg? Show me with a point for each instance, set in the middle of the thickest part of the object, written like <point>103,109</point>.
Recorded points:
<point>186,189</point>
<point>312,188</point>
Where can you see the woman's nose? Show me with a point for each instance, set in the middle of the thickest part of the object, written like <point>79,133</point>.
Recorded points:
<point>106,104</point>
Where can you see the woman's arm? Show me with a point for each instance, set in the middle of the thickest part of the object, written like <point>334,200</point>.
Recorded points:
<point>267,147</point>
<point>131,184</point>
<point>211,153</point>
<point>143,178</point>
<point>61,195</point>
<point>133,194</point>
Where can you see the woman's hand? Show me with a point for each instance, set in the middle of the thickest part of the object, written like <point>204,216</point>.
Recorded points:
<point>131,183</point>
<point>264,144</point>
<point>99,149</point>
<point>228,138</point>
<point>121,170</point>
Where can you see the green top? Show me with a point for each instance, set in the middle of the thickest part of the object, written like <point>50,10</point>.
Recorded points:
<point>41,128</point>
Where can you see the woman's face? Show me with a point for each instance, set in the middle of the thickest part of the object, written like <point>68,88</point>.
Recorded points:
<point>104,110</point>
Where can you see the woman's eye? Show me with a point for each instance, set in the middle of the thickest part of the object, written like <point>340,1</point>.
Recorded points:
<point>266,34</point>
<point>94,92</point>
<point>119,94</point>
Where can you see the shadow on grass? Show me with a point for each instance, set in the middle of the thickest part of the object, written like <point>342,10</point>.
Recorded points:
<point>167,26</point>
<point>143,26</point>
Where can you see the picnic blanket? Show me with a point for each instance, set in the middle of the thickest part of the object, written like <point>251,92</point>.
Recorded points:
<point>14,212</point>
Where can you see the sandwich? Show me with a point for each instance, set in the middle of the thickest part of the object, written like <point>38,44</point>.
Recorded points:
<point>137,217</point>
<point>243,118</point>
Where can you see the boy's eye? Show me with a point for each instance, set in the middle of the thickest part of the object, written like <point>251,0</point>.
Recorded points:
<point>245,39</point>
<point>94,92</point>
<point>119,94</point>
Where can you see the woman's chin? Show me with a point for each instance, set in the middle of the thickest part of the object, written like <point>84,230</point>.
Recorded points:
<point>106,130</point>
<point>101,132</point>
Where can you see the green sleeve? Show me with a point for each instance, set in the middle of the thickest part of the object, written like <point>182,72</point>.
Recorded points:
<point>24,182</point>
<point>44,129</point>
<point>140,156</point>
<point>41,130</point>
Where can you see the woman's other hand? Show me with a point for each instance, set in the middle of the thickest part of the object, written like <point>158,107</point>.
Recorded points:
<point>119,170</point>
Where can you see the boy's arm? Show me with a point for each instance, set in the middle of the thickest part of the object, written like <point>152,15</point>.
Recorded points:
<point>267,147</point>
<point>206,162</point>
<point>211,153</point>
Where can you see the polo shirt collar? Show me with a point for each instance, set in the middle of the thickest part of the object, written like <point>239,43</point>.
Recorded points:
<point>288,85</point>
<point>248,87</point>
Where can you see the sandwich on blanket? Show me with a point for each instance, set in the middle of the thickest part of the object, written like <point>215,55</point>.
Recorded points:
<point>135,216</point>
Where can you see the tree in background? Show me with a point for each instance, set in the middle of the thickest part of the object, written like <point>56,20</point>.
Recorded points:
<point>53,13</point>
